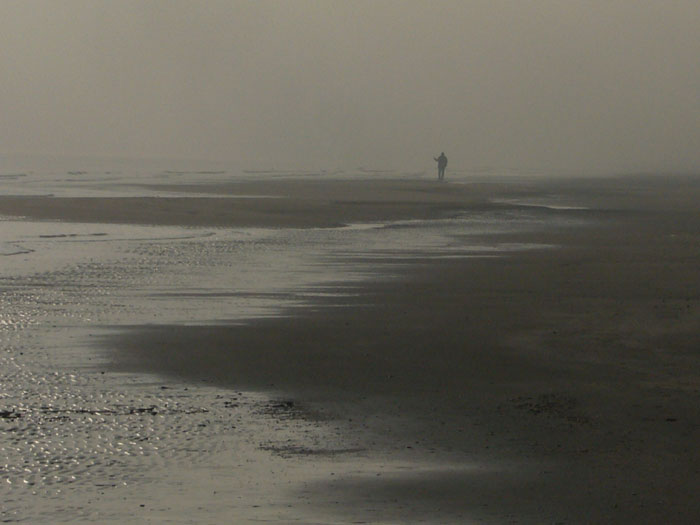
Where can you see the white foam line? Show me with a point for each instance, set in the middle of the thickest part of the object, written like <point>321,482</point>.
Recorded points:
<point>538,205</point>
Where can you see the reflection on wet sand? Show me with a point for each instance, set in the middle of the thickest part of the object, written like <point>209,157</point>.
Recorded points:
<point>275,371</point>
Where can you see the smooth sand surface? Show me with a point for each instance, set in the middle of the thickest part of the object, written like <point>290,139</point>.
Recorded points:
<point>577,366</point>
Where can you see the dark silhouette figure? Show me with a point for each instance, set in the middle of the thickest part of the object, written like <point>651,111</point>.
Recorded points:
<point>442,164</point>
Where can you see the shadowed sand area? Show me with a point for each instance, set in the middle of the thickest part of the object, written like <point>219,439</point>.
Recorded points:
<point>574,371</point>
<point>286,203</point>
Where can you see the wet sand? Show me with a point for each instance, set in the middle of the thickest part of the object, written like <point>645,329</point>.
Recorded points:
<point>568,378</point>
<point>285,203</point>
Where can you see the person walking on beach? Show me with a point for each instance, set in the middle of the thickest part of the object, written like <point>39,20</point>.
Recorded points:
<point>442,164</point>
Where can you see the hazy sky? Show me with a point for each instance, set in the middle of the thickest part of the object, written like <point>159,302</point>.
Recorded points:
<point>604,85</point>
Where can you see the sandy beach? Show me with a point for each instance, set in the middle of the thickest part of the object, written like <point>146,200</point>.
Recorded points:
<point>560,385</point>
<point>329,263</point>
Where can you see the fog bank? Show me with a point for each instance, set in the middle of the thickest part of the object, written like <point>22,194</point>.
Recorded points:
<point>594,85</point>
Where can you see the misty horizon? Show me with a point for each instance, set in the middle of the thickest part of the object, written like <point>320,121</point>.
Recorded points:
<point>584,87</point>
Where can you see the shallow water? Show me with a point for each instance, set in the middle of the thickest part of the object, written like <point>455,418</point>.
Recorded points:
<point>76,441</point>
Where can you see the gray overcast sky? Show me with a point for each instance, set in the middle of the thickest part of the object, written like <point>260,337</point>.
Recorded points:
<point>590,85</point>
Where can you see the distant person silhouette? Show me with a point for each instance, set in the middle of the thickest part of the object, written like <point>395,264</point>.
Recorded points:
<point>442,164</point>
